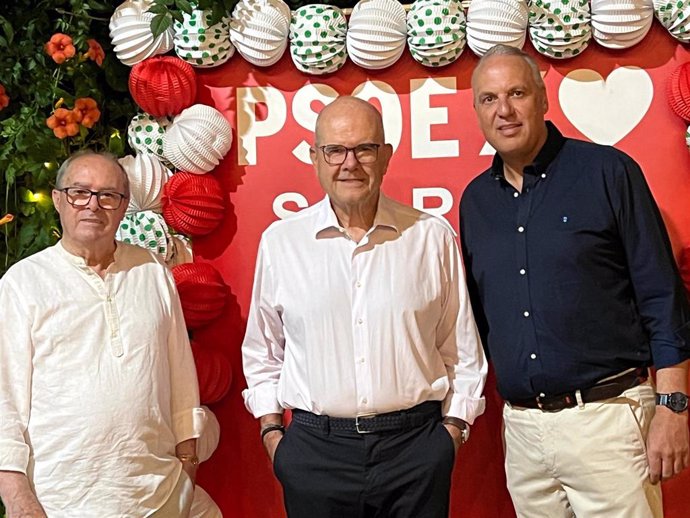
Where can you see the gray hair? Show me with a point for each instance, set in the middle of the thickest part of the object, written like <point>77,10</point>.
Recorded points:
<point>64,168</point>
<point>507,50</point>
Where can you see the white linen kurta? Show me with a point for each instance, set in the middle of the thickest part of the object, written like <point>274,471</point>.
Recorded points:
<point>97,382</point>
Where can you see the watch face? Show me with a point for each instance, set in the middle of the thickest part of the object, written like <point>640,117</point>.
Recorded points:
<point>678,402</point>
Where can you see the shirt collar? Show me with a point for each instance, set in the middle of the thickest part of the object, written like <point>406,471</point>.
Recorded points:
<point>79,261</point>
<point>547,154</point>
<point>385,215</point>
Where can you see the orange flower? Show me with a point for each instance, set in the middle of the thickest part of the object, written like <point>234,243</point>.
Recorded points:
<point>4,98</point>
<point>63,122</point>
<point>95,52</point>
<point>60,47</point>
<point>86,112</point>
<point>6,219</point>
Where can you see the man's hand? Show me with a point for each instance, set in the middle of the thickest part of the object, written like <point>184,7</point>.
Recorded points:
<point>456,434</point>
<point>271,440</point>
<point>19,500</point>
<point>668,445</point>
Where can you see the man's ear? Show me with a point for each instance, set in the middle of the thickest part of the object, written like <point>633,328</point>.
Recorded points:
<point>312,155</point>
<point>55,194</point>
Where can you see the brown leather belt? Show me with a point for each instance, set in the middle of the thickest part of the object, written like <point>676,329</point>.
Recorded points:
<point>604,390</point>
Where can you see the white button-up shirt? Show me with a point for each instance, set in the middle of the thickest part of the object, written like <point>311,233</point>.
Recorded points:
<point>97,382</point>
<point>342,328</point>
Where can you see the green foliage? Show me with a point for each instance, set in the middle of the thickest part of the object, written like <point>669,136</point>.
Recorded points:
<point>30,153</point>
<point>168,10</point>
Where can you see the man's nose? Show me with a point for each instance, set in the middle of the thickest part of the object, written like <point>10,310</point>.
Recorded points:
<point>93,203</point>
<point>505,106</point>
<point>350,161</point>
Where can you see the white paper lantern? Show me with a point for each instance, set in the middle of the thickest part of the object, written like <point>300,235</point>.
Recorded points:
<point>147,176</point>
<point>131,36</point>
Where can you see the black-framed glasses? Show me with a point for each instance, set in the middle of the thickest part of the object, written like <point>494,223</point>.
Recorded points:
<point>80,197</point>
<point>335,154</point>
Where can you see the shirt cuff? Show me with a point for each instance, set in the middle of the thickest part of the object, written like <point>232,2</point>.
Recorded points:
<point>14,456</point>
<point>262,401</point>
<point>189,424</point>
<point>463,407</point>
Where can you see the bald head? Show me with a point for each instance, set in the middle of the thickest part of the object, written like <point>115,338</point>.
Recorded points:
<point>507,50</point>
<point>348,108</point>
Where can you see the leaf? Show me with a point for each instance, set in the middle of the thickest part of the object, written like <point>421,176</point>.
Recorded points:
<point>184,5</point>
<point>160,23</point>
<point>158,9</point>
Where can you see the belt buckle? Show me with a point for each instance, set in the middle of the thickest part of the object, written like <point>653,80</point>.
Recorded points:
<point>357,422</point>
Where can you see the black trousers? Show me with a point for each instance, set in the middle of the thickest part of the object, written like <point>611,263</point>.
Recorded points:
<point>336,474</point>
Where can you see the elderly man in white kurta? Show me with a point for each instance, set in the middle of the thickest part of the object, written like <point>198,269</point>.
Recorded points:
<point>99,403</point>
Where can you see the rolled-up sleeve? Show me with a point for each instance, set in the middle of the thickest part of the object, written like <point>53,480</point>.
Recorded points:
<point>15,378</point>
<point>459,343</point>
<point>264,343</point>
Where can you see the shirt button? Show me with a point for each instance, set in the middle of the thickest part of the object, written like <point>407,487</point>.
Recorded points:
<point>523,271</point>
<point>526,314</point>
<point>360,321</point>
<point>516,194</point>
<point>533,356</point>
<point>364,401</point>
<point>361,360</point>
<point>521,229</point>
<point>541,394</point>
<point>543,175</point>
<point>359,284</point>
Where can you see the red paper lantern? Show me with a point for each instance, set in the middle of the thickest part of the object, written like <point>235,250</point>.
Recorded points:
<point>678,91</point>
<point>214,373</point>
<point>193,204</point>
<point>203,294</point>
<point>163,85</point>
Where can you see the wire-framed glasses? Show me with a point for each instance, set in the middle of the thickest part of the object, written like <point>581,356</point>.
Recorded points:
<point>81,197</point>
<point>335,154</point>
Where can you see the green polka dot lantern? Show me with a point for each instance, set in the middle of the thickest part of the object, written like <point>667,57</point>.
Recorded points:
<point>317,39</point>
<point>201,44</point>
<point>490,22</point>
<point>146,229</point>
<point>560,29</point>
<point>436,31</point>
<point>620,24</point>
<point>377,33</point>
<point>259,30</point>
<point>674,16</point>
<point>145,134</point>
<point>147,176</point>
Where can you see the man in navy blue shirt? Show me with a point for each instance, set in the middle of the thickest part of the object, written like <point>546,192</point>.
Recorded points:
<point>576,294</point>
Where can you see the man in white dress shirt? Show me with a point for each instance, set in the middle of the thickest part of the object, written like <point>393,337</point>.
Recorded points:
<point>99,403</point>
<point>360,324</point>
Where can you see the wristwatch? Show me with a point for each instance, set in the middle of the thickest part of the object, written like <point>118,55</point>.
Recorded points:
<point>676,401</point>
<point>462,425</point>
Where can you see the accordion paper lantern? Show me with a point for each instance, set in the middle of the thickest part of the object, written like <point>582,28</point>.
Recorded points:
<point>193,204</point>
<point>620,24</point>
<point>163,85</point>
<point>131,36</point>
<point>145,134</point>
<point>317,39</point>
<point>259,30</point>
<point>377,33</point>
<point>675,16</point>
<point>203,294</point>
<point>214,373</point>
<point>179,251</point>
<point>198,139</point>
<point>147,176</point>
<point>436,31</point>
<point>678,91</point>
<point>560,29</point>
<point>201,44</point>
<point>490,22</point>
<point>147,230</point>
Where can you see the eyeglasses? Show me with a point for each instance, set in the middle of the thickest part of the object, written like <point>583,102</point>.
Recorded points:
<point>80,197</point>
<point>335,154</point>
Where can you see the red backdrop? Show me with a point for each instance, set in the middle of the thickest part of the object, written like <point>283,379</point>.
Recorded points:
<point>439,151</point>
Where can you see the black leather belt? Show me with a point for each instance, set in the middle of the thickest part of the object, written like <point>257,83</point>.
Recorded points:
<point>604,390</point>
<point>375,423</point>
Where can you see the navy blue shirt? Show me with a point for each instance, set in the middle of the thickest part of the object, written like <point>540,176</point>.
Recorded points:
<point>573,279</point>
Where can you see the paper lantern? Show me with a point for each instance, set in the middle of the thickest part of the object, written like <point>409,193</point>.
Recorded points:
<point>131,36</point>
<point>145,134</point>
<point>163,85</point>
<point>201,44</point>
<point>490,22</point>
<point>317,39</point>
<point>198,139</point>
<point>147,176</point>
<point>377,33</point>
<point>179,251</point>
<point>203,294</point>
<point>145,229</point>
<point>259,30</point>
<point>436,31</point>
<point>678,91</point>
<point>193,204</point>
<point>620,24</point>
<point>561,29</point>
<point>675,16</point>
<point>214,373</point>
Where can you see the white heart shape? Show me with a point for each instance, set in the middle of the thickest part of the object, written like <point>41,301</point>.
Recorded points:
<point>606,111</point>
